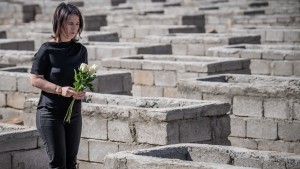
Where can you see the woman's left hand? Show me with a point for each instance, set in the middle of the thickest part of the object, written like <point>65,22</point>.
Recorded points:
<point>79,95</point>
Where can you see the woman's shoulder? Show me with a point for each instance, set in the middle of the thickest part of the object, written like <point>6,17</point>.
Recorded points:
<point>80,45</point>
<point>43,47</point>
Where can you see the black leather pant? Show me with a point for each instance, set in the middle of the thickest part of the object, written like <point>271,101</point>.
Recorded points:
<point>60,139</point>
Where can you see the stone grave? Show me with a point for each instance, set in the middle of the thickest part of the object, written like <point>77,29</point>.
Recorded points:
<point>131,19</point>
<point>268,20</point>
<point>196,156</point>
<point>86,36</point>
<point>114,123</point>
<point>103,50</point>
<point>272,35</point>
<point>136,33</point>
<point>21,147</point>
<point>264,109</point>
<point>15,88</point>
<point>198,44</point>
<point>157,75</point>
<point>16,57</point>
<point>275,60</point>
<point>22,12</point>
<point>16,44</point>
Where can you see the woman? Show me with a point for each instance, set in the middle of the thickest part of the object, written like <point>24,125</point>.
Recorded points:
<point>53,72</point>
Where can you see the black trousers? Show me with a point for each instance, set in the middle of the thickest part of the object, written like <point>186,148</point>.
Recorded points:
<point>60,139</point>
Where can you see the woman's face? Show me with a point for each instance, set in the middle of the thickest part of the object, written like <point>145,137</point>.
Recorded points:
<point>70,29</point>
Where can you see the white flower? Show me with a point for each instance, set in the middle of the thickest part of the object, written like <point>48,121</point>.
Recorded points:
<point>93,69</point>
<point>84,67</point>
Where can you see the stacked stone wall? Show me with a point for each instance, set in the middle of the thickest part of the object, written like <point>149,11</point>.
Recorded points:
<point>157,75</point>
<point>116,123</point>
<point>19,145</point>
<point>198,44</point>
<point>195,156</point>
<point>264,109</point>
<point>136,33</point>
<point>273,35</point>
<point>104,50</point>
<point>275,60</point>
<point>15,88</point>
<point>16,44</point>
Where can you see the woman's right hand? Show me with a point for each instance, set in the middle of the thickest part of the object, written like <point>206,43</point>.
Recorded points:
<point>68,91</point>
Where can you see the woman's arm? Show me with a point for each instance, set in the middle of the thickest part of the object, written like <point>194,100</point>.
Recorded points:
<point>40,82</point>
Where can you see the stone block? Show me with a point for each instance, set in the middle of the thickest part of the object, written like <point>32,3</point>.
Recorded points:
<point>147,65</point>
<point>273,35</point>
<point>273,54</point>
<point>95,128</point>
<point>262,129</point>
<point>25,159</point>
<point>296,68</point>
<point>222,98</point>
<point>83,152</point>
<point>189,95</point>
<point>15,100</point>
<point>282,68</point>
<point>127,32</point>
<point>139,33</point>
<point>24,85</point>
<point>247,106</point>
<point>143,77</point>
<point>277,108</point>
<point>238,127</point>
<point>260,67</point>
<point>157,133</point>
<point>89,165</point>
<point>18,144</point>
<point>136,90</point>
<point>151,91</point>
<point>196,49</point>
<point>11,80</point>
<point>179,49</point>
<point>289,130</point>
<point>121,131</point>
<point>243,142</point>
<point>111,84</point>
<point>291,36</point>
<point>29,117</point>
<point>131,64</point>
<point>99,149</point>
<point>251,54</point>
<point>165,78</point>
<point>295,147</point>
<point>186,75</point>
<point>170,92</point>
<point>104,53</point>
<point>248,162</point>
<point>120,51</point>
<point>195,130</point>
<point>269,145</point>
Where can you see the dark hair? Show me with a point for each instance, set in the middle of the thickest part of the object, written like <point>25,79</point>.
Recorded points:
<point>61,14</point>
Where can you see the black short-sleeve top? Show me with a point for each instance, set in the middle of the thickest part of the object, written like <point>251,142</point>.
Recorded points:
<point>57,61</point>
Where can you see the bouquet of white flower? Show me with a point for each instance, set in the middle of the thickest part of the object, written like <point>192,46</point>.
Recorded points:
<point>83,79</point>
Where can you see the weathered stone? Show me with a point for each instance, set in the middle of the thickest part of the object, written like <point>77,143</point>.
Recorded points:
<point>259,128</point>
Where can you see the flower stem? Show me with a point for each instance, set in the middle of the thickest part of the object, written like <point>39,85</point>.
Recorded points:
<point>69,112</point>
